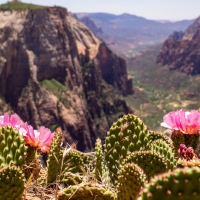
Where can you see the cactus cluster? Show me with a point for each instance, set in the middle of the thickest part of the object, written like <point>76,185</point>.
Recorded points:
<point>135,163</point>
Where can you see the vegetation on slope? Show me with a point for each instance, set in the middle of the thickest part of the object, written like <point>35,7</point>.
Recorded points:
<point>19,6</point>
<point>159,90</point>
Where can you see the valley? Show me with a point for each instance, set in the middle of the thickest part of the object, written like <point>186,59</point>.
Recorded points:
<point>159,90</point>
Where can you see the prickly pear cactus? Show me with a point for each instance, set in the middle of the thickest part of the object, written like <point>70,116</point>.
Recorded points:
<point>12,183</point>
<point>151,162</point>
<point>76,162</point>
<point>165,151</point>
<point>156,136</point>
<point>71,179</point>
<point>12,147</point>
<point>54,158</point>
<point>127,135</point>
<point>86,192</point>
<point>99,160</point>
<point>183,184</point>
<point>131,179</point>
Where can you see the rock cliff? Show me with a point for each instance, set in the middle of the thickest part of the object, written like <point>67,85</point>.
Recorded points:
<point>55,72</point>
<point>181,50</point>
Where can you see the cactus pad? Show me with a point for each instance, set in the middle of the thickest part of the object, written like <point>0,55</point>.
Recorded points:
<point>12,147</point>
<point>130,180</point>
<point>11,184</point>
<point>127,135</point>
<point>54,158</point>
<point>151,162</point>
<point>165,151</point>
<point>183,184</point>
<point>99,158</point>
<point>86,192</point>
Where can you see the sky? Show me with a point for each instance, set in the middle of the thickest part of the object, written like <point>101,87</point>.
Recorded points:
<point>151,9</point>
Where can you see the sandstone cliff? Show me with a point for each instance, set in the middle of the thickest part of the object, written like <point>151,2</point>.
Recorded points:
<point>181,51</point>
<point>55,72</point>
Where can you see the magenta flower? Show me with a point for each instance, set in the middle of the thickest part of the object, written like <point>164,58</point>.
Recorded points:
<point>40,139</point>
<point>186,122</point>
<point>14,120</point>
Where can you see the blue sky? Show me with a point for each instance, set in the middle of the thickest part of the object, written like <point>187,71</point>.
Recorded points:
<point>150,9</point>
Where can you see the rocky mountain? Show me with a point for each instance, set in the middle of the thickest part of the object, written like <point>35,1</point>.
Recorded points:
<point>91,25</point>
<point>181,51</point>
<point>55,72</point>
<point>128,34</point>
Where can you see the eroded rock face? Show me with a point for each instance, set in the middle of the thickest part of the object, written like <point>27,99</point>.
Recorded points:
<point>182,54</point>
<point>55,72</point>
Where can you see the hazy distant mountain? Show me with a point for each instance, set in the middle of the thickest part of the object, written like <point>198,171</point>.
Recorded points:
<point>127,34</point>
<point>181,51</point>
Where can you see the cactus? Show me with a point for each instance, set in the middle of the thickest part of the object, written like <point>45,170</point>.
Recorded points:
<point>191,140</point>
<point>127,135</point>
<point>12,147</point>
<point>181,184</point>
<point>86,192</point>
<point>30,155</point>
<point>156,136</point>
<point>99,159</point>
<point>12,183</point>
<point>130,180</point>
<point>177,138</point>
<point>151,162</point>
<point>71,179</point>
<point>76,162</point>
<point>166,151</point>
<point>54,158</point>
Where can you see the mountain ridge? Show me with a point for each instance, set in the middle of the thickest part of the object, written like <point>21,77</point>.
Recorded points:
<point>126,34</point>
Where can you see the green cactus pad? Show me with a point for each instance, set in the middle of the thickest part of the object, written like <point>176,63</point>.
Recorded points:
<point>12,183</point>
<point>130,180</point>
<point>76,162</point>
<point>86,192</point>
<point>99,160</point>
<point>54,158</point>
<point>180,184</point>
<point>71,179</point>
<point>151,162</point>
<point>156,136</point>
<point>12,147</point>
<point>165,151</point>
<point>127,135</point>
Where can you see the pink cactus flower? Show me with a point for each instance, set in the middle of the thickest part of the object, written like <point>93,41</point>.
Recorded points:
<point>14,120</point>
<point>186,122</point>
<point>40,139</point>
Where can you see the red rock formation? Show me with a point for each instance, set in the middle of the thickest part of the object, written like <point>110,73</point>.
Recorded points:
<point>182,54</point>
<point>55,72</point>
